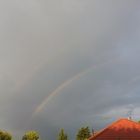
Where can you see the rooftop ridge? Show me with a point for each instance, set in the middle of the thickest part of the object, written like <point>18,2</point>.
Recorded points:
<point>109,126</point>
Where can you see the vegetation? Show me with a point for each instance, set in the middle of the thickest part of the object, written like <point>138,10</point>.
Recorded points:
<point>5,135</point>
<point>31,135</point>
<point>83,133</point>
<point>62,135</point>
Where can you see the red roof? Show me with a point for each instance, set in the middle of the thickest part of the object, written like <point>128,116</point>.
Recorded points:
<point>122,129</point>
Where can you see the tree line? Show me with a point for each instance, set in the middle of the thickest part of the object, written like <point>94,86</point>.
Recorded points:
<point>83,134</point>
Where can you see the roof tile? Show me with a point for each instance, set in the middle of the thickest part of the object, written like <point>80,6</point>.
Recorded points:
<point>122,129</point>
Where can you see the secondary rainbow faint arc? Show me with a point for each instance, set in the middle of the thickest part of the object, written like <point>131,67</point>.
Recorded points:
<point>65,84</point>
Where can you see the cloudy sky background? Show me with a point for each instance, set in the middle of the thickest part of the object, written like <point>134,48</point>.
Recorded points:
<point>44,43</point>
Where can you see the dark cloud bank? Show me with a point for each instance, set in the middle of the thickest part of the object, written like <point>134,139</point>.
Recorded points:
<point>44,43</point>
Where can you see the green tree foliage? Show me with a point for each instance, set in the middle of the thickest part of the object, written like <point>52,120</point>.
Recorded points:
<point>83,134</point>
<point>5,135</point>
<point>62,135</point>
<point>31,135</point>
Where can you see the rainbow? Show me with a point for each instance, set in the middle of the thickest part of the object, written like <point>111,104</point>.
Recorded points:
<point>67,83</point>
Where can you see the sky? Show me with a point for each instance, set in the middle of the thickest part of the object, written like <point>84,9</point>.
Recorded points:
<point>68,64</point>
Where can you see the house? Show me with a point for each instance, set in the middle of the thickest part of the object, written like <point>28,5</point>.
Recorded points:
<point>123,129</point>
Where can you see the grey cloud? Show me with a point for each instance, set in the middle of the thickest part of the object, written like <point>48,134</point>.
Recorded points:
<point>44,43</point>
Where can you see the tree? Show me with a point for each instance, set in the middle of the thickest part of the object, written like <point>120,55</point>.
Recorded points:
<point>31,135</point>
<point>5,135</point>
<point>62,135</point>
<point>83,133</point>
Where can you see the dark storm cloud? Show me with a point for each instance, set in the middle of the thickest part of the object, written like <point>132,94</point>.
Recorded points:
<point>44,43</point>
